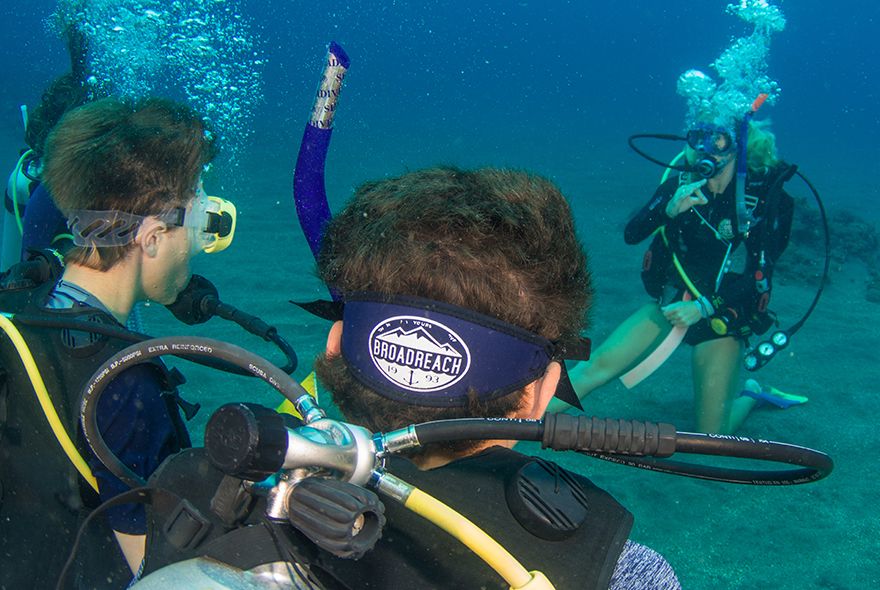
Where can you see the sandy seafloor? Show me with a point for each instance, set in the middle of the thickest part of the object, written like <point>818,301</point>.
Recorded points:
<point>563,106</point>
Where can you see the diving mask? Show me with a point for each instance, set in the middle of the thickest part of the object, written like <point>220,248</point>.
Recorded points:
<point>210,220</point>
<point>714,146</point>
<point>710,139</point>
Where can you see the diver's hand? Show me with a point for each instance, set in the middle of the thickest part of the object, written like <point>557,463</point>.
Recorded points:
<point>686,197</point>
<point>682,313</point>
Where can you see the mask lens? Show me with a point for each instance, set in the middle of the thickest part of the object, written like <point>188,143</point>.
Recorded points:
<point>710,140</point>
<point>196,222</point>
<point>695,139</point>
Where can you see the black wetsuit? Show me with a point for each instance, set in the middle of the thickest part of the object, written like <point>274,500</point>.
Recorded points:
<point>743,293</point>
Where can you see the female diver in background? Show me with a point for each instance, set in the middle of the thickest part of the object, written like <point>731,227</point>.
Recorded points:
<point>687,269</point>
<point>719,227</point>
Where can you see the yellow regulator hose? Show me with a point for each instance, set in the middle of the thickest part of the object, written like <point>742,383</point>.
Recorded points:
<point>472,536</point>
<point>45,401</point>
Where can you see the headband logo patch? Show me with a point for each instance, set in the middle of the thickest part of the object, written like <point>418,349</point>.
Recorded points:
<point>419,354</point>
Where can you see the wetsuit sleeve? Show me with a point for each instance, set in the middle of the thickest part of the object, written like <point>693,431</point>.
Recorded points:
<point>740,292</point>
<point>653,215</point>
<point>134,421</point>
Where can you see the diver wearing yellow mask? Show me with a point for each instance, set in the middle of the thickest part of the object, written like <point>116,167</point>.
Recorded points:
<point>128,179</point>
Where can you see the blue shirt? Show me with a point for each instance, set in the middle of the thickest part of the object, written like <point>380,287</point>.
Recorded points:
<point>132,416</point>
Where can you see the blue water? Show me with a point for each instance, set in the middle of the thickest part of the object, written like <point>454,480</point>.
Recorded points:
<point>557,87</point>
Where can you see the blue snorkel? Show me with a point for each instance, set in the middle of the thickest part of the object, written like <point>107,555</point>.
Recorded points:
<point>744,216</point>
<point>309,192</point>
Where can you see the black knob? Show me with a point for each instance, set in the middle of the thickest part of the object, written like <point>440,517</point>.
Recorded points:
<point>247,441</point>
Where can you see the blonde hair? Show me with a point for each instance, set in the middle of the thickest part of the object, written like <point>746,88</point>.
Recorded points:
<point>760,151</point>
<point>761,148</point>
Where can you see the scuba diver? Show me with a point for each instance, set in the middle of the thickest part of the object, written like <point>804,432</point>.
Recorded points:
<point>31,219</point>
<point>128,178</point>
<point>720,221</point>
<point>486,337</point>
<point>688,270</point>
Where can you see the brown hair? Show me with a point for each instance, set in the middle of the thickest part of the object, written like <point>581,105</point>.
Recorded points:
<point>498,242</point>
<point>140,158</point>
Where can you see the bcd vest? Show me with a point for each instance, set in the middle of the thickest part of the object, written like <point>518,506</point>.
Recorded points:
<point>510,495</point>
<point>658,266</point>
<point>42,497</point>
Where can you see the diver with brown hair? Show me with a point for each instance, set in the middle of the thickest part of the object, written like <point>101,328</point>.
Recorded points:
<point>128,178</point>
<point>463,293</point>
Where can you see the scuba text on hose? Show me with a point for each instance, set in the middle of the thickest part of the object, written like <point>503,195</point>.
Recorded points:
<point>327,463</point>
<point>711,141</point>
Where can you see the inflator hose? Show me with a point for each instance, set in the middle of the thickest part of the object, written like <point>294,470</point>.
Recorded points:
<point>471,536</point>
<point>45,400</point>
<point>464,530</point>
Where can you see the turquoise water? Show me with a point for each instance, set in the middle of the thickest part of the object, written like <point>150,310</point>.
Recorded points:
<point>555,87</point>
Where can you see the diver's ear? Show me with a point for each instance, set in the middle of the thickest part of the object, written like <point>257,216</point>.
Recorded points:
<point>150,234</point>
<point>541,391</point>
<point>334,340</point>
<point>546,386</point>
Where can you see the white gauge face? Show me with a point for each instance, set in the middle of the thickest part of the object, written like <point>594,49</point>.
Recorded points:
<point>780,339</point>
<point>766,349</point>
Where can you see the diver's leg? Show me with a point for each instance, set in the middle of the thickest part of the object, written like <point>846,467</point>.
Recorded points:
<point>626,345</point>
<point>740,407</point>
<point>716,376</point>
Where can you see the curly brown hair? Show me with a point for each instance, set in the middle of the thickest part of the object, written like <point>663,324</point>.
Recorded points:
<point>138,157</point>
<point>499,242</point>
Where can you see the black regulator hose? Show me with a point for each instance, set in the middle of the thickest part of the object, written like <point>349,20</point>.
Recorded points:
<point>184,347</point>
<point>663,136</point>
<point>634,443</point>
<point>196,304</point>
<point>826,266</point>
<point>812,465</point>
<point>200,301</point>
<point>123,334</point>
